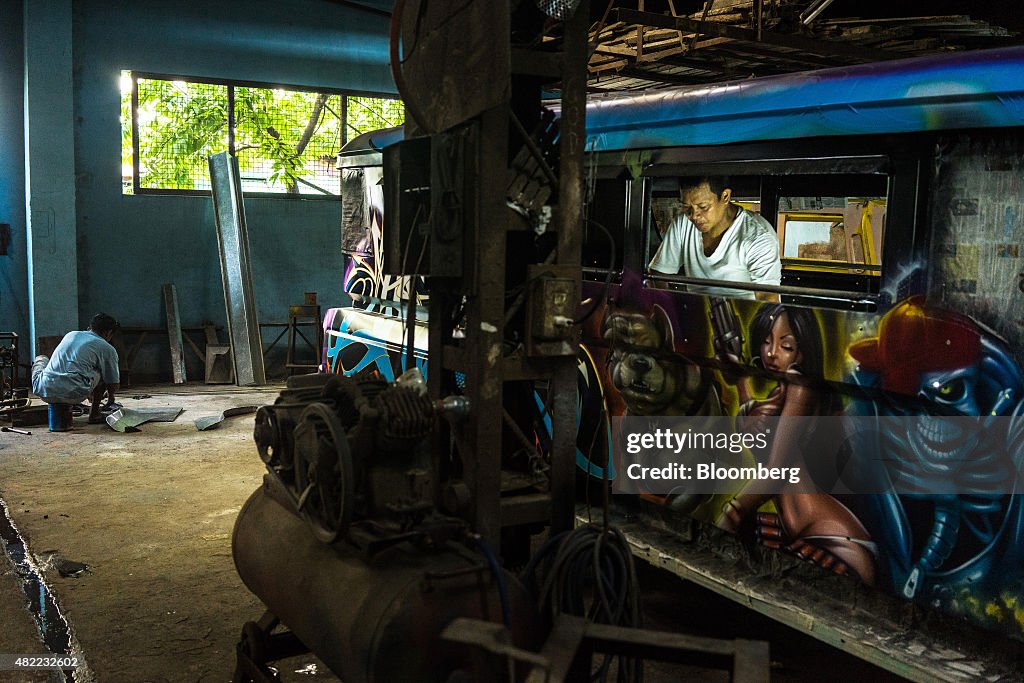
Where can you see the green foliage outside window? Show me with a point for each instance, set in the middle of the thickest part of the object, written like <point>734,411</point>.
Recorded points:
<point>286,141</point>
<point>372,113</point>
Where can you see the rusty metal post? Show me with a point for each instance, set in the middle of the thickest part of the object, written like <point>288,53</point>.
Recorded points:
<point>570,245</point>
<point>485,316</point>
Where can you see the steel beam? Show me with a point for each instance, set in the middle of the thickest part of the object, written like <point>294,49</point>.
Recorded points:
<point>570,249</point>
<point>233,246</point>
<point>174,334</point>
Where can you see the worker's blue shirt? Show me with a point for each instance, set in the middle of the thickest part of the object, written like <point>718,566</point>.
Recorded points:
<point>78,363</point>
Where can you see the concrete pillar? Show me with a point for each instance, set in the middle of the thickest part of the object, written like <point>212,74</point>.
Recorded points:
<point>13,264</point>
<point>50,169</point>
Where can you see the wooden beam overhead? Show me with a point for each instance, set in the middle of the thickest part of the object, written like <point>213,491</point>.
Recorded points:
<point>670,57</point>
<point>611,65</point>
<point>662,54</point>
<point>667,79</point>
<point>793,42</point>
<point>737,47</point>
<point>647,56</point>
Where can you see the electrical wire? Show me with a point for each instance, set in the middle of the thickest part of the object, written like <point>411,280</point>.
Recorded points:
<point>499,577</point>
<point>411,303</point>
<point>397,60</point>
<point>608,278</point>
<point>394,37</point>
<point>420,11</point>
<point>411,278</point>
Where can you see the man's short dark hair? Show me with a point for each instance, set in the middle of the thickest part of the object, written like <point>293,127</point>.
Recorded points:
<point>102,323</point>
<point>716,183</point>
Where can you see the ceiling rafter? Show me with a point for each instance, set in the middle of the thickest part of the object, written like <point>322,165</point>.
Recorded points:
<point>734,39</point>
<point>796,42</point>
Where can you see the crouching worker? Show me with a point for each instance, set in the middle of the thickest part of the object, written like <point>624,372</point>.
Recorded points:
<point>84,365</point>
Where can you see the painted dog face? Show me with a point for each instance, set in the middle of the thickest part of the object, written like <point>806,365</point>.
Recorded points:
<point>652,378</point>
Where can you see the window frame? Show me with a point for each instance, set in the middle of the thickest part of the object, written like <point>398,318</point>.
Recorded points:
<point>898,158</point>
<point>231,84</point>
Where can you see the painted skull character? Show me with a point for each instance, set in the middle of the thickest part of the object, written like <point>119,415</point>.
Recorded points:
<point>949,374</point>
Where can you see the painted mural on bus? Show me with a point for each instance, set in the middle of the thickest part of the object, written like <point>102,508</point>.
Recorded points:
<point>901,296</point>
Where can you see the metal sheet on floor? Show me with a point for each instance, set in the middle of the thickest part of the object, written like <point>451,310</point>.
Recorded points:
<point>125,419</point>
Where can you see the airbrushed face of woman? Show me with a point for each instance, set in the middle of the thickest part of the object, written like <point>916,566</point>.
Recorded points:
<point>780,350</point>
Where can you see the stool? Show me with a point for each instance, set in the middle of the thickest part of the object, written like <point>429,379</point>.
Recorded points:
<point>305,315</point>
<point>60,417</point>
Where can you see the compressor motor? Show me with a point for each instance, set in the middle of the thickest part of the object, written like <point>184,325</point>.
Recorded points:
<point>352,456</point>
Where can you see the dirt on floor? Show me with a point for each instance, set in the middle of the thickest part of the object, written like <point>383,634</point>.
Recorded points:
<point>151,514</point>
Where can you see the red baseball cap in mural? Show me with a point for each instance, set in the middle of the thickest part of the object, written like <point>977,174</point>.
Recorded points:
<point>914,339</point>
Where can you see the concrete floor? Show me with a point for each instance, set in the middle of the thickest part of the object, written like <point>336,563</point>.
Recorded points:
<point>151,514</point>
<point>18,635</point>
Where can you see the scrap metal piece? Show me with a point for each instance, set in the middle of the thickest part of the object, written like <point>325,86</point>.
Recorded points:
<point>69,568</point>
<point>174,333</point>
<point>211,421</point>
<point>125,419</point>
<point>233,247</point>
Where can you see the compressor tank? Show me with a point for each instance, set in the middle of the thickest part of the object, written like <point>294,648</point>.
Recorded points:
<point>376,620</point>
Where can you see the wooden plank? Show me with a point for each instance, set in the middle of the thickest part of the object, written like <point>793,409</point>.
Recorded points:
<point>615,50</point>
<point>711,42</point>
<point>665,58</point>
<point>663,54</point>
<point>174,334</point>
<point>651,36</point>
<point>710,28</point>
<point>195,348</point>
<point>612,65</point>
<point>560,650</point>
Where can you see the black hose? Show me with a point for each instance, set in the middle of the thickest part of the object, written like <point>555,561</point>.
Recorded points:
<point>608,278</point>
<point>589,572</point>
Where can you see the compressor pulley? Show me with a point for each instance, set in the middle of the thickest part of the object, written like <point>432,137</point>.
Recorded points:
<point>323,472</point>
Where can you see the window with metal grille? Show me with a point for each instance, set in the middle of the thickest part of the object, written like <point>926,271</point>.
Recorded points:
<point>286,139</point>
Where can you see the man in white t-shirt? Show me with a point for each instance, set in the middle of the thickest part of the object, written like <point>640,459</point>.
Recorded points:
<point>84,365</point>
<point>716,239</point>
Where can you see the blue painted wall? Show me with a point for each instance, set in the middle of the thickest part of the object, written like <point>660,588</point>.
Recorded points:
<point>50,169</point>
<point>128,246</point>
<point>13,267</point>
